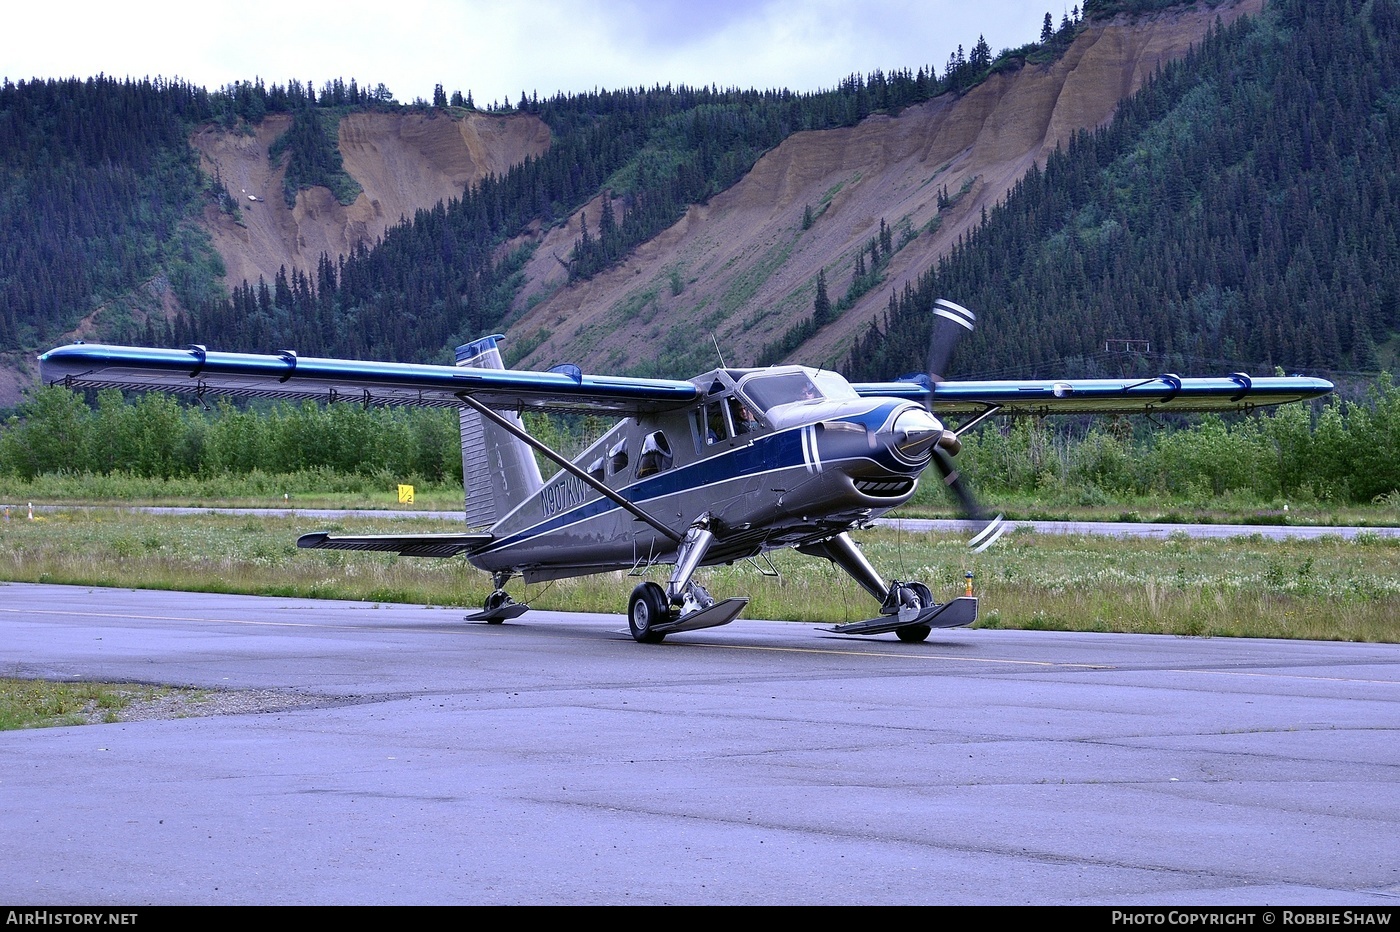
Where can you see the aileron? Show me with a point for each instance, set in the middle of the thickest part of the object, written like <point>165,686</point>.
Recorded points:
<point>288,376</point>
<point>1165,393</point>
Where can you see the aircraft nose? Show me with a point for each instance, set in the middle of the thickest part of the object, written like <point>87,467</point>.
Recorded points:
<point>915,431</point>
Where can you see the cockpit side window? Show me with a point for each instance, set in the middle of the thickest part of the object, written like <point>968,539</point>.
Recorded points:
<point>741,417</point>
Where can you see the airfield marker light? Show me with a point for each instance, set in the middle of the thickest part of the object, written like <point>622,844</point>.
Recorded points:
<point>968,577</point>
<point>31,511</point>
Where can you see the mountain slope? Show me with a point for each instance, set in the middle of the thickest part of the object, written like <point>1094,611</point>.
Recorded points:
<point>741,267</point>
<point>404,162</point>
<point>1243,211</point>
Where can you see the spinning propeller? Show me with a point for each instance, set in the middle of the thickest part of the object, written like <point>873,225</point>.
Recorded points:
<point>950,321</point>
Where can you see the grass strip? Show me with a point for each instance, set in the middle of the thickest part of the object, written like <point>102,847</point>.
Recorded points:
<point>1327,588</point>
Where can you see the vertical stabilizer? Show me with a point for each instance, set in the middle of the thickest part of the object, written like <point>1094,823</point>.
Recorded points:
<point>498,471</point>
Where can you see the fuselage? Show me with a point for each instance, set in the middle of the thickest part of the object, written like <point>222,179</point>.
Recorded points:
<point>776,457</point>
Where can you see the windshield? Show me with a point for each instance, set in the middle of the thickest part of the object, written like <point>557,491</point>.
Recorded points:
<point>768,391</point>
<point>781,388</point>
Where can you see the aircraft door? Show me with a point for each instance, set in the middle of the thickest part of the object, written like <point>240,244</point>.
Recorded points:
<point>717,426</point>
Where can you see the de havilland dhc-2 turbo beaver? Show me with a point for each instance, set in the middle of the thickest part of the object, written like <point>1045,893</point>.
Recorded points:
<point>724,466</point>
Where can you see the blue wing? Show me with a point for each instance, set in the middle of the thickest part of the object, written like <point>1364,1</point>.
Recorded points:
<point>378,383</point>
<point>1165,393</point>
<point>291,377</point>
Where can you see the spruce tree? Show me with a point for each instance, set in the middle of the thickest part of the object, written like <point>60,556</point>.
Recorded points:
<point>821,306</point>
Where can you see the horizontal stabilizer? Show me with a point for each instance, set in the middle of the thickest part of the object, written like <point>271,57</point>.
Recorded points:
<point>408,545</point>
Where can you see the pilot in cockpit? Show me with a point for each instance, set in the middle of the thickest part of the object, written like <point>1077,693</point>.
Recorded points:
<point>743,418</point>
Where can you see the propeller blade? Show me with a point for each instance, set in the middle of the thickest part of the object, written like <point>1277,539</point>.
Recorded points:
<point>988,529</point>
<point>950,321</point>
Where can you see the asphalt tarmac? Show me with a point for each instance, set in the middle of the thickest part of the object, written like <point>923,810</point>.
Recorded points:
<point>552,760</point>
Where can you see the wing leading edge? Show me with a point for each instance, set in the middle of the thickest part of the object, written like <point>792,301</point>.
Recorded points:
<point>1165,393</point>
<point>288,376</point>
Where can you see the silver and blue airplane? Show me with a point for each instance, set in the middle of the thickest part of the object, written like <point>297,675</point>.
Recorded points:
<point>722,467</point>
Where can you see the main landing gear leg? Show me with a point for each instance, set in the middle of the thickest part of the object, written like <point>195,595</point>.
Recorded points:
<point>684,605</point>
<point>681,589</point>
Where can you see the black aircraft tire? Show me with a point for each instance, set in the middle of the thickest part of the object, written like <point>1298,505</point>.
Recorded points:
<point>916,634</point>
<point>645,609</point>
<point>913,634</point>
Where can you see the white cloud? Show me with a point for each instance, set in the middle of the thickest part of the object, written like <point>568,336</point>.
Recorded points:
<point>497,50</point>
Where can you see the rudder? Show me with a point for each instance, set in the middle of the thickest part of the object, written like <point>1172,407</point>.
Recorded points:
<point>498,470</point>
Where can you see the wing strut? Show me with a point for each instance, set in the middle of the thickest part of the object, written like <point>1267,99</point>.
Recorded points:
<point>978,419</point>
<point>567,466</point>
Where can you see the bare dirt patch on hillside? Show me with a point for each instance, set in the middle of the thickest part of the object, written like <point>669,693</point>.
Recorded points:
<point>405,162</point>
<point>17,373</point>
<point>746,269</point>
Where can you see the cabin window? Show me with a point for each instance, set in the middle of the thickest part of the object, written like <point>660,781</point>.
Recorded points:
<point>617,457</point>
<point>595,469</point>
<point>656,455</point>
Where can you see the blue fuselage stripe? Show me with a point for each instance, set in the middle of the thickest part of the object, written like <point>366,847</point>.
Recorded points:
<point>776,452</point>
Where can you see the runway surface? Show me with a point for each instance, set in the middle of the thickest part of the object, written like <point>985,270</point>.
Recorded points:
<point>554,760</point>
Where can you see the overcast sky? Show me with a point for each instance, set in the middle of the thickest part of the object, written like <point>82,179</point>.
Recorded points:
<point>498,49</point>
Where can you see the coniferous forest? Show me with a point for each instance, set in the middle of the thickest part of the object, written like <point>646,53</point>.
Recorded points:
<point>1244,206</point>
<point>97,181</point>
<point>1242,210</point>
